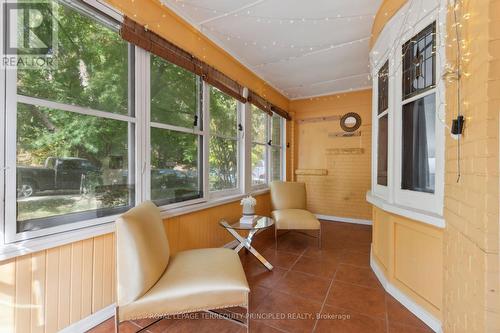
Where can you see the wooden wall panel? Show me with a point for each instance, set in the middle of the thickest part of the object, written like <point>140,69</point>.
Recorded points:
<point>8,295</point>
<point>23,293</point>
<point>411,253</point>
<point>38,267</point>
<point>52,290</point>
<point>76,281</point>
<point>97,274</point>
<point>418,261</point>
<point>88,255</point>
<point>382,243</point>
<point>48,290</point>
<point>64,301</point>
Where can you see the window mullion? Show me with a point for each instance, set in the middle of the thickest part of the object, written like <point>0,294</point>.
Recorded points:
<point>247,148</point>
<point>142,112</point>
<point>268,149</point>
<point>205,137</point>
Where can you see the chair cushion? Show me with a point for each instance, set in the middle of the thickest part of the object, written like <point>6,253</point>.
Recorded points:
<point>288,195</point>
<point>194,280</point>
<point>142,251</point>
<point>297,219</point>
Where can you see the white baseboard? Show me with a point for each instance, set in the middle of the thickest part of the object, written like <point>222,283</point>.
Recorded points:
<point>91,321</point>
<point>343,219</point>
<point>429,319</point>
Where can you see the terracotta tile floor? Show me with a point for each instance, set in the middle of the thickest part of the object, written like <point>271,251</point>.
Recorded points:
<point>327,290</point>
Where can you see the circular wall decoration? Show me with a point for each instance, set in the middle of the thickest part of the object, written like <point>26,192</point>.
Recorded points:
<point>350,122</point>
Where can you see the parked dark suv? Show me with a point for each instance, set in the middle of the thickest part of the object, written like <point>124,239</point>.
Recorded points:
<point>68,173</point>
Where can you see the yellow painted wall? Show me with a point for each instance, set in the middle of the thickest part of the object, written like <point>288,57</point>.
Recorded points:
<point>410,256</point>
<point>49,290</point>
<point>347,159</point>
<point>386,11</point>
<point>167,24</point>
<point>470,241</point>
<point>471,238</point>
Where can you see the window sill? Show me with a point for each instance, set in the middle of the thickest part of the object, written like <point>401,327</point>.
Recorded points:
<point>408,212</point>
<point>208,204</point>
<point>20,248</point>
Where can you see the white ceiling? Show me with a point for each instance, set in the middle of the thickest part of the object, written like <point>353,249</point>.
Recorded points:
<point>303,48</point>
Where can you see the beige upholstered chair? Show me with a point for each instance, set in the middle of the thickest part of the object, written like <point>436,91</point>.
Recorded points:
<point>289,209</point>
<point>152,283</point>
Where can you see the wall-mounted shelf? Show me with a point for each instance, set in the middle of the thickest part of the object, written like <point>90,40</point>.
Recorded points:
<point>319,119</point>
<point>344,134</point>
<point>345,151</point>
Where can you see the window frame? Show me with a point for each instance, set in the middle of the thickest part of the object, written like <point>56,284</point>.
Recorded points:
<point>280,146</point>
<point>429,204</point>
<point>238,139</point>
<point>202,133</point>
<point>266,149</point>
<point>11,99</point>
<point>381,190</point>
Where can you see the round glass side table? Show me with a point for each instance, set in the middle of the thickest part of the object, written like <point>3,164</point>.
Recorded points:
<point>255,226</point>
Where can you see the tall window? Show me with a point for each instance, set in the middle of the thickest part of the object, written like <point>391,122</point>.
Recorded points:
<point>224,142</point>
<point>74,128</point>
<point>267,147</point>
<point>176,133</point>
<point>276,148</point>
<point>259,146</point>
<point>383,117</point>
<point>419,112</point>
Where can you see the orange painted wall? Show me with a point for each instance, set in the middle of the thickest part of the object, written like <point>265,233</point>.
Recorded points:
<point>470,241</point>
<point>471,208</point>
<point>384,14</point>
<point>49,290</point>
<point>347,160</point>
<point>167,24</point>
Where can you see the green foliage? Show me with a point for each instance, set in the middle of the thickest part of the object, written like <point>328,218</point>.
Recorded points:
<point>91,71</point>
<point>223,157</point>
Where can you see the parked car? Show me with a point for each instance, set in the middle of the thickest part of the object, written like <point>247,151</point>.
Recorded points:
<point>58,173</point>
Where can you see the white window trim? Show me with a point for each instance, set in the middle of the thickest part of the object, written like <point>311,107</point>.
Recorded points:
<point>238,138</point>
<point>204,133</point>
<point>11,98</point>
<point>266,149</point>
<point>393,196</point>
<point>280,146</point>
<point>381,190</point>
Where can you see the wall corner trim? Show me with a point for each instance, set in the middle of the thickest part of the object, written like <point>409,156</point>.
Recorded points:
<point>429,319</point>
<point>343,219</point>
<point>91,321</point>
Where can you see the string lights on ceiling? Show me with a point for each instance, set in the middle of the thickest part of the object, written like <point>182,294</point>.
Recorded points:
<point>302,50</point>
<point>272,19</point>
<point>407,31</point>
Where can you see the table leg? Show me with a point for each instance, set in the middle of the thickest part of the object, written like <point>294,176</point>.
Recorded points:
<point>246,243</point>
<point>260,257</point>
